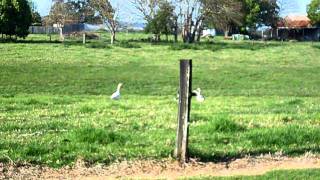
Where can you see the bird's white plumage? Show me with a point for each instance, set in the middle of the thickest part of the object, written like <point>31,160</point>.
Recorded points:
<point>199,96</point>
<point>116,95</point>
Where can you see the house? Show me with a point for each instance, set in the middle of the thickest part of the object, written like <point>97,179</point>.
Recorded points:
<point>297,27</point>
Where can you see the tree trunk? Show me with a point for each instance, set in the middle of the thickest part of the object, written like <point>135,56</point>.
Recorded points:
<point>226,33</point>
<point>199,31</point>
<point>113,37</point>
<point>61,34</point>
<point>176,37</point>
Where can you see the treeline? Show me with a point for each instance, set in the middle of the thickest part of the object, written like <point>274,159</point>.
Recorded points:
<point>190,17</point>
<point>15,18</point>
<point>173,17</point>
<point>163,17</point>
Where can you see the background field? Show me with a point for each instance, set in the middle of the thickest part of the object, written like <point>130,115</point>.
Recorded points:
<point>55,106</point>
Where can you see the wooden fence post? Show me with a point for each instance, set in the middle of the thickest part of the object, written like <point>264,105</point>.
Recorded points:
<point>181,150</point>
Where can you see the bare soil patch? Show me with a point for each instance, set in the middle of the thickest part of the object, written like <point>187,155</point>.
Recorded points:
<point>166,169</point>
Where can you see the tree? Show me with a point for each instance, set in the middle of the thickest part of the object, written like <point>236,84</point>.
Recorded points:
<point>15,17</point>
<point>24,18</point>
<point>58,16</point>
<point>163,21</point>
<point>36,17</point>
<point>269,14</point>
<point>8,14</point>
<point>81,11</point>
<point>259,13</point>
<point>224,14</point>
<point>147,8</point>
<point>1,23</point>
<point>251,10</point>
<point>192,14</point>
<point>314,12</point>
<point>108,15</point>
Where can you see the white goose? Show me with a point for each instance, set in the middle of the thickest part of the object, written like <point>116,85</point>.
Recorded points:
<point>199,96</point>
<point>116,95</point>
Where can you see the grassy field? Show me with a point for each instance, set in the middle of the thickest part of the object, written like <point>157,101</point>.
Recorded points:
<point>283,174</point>
<point>55,106</point>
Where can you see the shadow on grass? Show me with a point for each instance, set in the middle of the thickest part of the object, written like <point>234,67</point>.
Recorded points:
<point>316,46</point>
<point>292,140</point>
<point>221,157</point>
<point>134,43</point>
<point>128,45</point>
<point>21,41</point>
<point>211,45</point>
<point>216,46</point>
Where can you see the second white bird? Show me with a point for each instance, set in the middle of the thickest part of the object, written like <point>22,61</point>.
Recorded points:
<point>116,95</point>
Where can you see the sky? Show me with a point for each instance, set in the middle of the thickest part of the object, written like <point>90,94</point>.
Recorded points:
<point>128,12</point>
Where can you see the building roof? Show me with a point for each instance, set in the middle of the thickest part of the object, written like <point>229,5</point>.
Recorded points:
<point>295,21</point>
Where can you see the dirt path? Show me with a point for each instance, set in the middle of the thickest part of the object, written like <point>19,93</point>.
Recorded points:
<point>167,169</point>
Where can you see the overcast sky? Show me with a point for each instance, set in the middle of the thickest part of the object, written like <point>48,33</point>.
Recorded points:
<point>128,12</point>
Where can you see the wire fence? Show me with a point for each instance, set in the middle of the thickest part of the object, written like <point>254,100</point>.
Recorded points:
<point>67,29</point>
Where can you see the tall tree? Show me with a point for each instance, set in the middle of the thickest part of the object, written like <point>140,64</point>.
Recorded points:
<point>269,14</point>
<point>8,14</point>
<point>251,10</point>
<point>163,21</point>
<point>224,14</point>
<point>147,8</point>
<point>192,14</point>
<point>81,11</point>
<point>108,14</point>
<point>259,13</point>
<point>23,18</point>
<point>314,12</point>
<point>1,24</point>
<point>15,17</point>
<point>36,17</point>
<point>58,16</point>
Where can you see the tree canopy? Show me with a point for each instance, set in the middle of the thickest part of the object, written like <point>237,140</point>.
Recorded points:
<point>314,12</point>
<point>163,21</point>
<point>15,17</point>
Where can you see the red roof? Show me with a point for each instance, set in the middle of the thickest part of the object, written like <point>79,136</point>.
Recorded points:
<point>295,21</point>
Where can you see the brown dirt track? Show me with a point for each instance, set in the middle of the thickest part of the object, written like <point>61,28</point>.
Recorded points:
<point>166,169</point>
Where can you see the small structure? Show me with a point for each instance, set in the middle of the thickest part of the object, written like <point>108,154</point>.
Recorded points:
<point>297,27</point>
<point>209,33</point>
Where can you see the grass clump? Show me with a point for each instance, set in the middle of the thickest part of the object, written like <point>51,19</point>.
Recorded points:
<point>99,136</point>
<point>284,137</point>
<point>225,124</point>
<point>98,45</point>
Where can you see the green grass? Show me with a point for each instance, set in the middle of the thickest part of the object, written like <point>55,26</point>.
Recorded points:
<point>283,174</point>
<point>55,107</point>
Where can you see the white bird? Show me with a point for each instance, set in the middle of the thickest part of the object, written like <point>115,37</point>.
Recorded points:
<point>199,96</point>
<point>116,95</point>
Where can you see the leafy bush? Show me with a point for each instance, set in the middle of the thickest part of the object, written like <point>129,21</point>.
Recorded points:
<point>223,124</point>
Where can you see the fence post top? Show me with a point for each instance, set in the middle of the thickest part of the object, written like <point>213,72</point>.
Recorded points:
<point>182,60</point>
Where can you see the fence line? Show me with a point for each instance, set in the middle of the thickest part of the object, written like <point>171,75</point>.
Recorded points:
<point>67,29</point>
<point>43,30</point>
